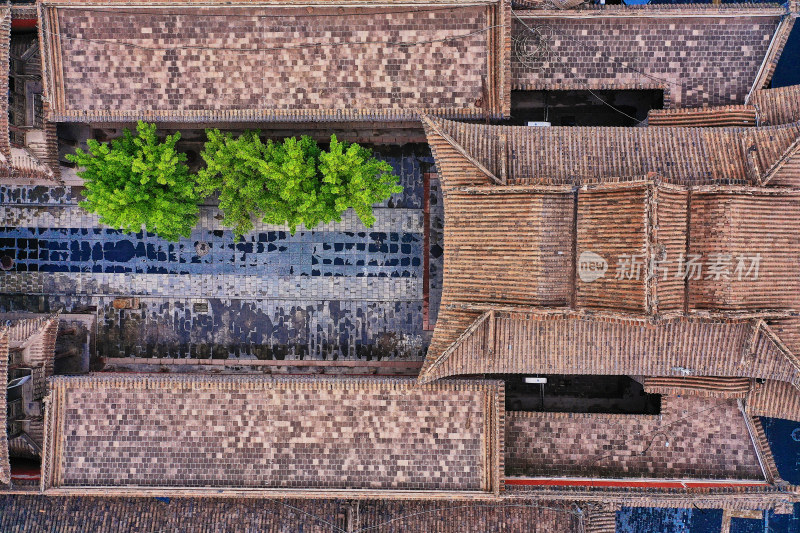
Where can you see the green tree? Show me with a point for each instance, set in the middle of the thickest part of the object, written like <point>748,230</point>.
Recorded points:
<point>293,182</point>
<point>139,181</point>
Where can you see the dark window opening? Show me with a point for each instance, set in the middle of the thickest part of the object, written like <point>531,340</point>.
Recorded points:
<point>25,471</point>
<point>584,108</point>
<point>579,394</point>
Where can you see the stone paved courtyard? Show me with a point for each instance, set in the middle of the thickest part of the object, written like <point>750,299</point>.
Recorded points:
<point>339,291</point>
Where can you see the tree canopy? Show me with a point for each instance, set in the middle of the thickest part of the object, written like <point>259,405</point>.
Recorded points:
<point>292,182</point>
<point>139,181</point>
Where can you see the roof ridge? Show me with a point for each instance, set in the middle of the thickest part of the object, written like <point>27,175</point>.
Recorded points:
<point>429,368</point>
<point>427,120</point>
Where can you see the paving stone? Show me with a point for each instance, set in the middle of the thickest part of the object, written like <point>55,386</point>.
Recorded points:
<point>338,291</point>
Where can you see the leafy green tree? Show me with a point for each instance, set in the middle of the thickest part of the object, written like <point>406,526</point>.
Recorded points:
<point>293,182</point>
<point>139,181</point>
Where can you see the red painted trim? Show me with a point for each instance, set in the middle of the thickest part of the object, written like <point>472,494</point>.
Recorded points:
<point>25,473</point>
<point>24,24</point>
<point>630,483</point>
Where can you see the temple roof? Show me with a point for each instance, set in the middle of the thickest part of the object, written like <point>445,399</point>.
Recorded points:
<point>282,436</point>
<point>203,515</point>
<point>691,438</point>
<point>535,279</point>
<point>5,45</point>
<point>506,342</point>
<point>744,241</point>
<point>273,61</point>
<point>766,107</point>
<point>574,155</point>
<point>695,54</point>
<point>5,467</point>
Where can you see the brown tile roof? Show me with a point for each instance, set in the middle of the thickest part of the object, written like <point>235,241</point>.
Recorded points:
<point>705,117</point>
<point>764,224</point>
<point>271,61</point>
<point>537,342</point>
<point>338,435</point>
<point>576,155</point>
<point>786,170</point>
<point>705,56</point>
<point>746,239</point>
<point>514,243</point>
<point>774,399</point>
<point>766,107</point>
<point>5,45</point>
<point>708,387</point>
<point>777,106</point>
<point>250,515</point>
<point>527,259</point>
<point>692,438</point>
<point>735,498</point>
<point>627,223</point>
<point>788,330</point>
<point>5,467</point>
<point>770,398</point>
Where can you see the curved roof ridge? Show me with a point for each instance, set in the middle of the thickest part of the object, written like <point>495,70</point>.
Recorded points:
<point>578,343</point>
<point>574,154</point>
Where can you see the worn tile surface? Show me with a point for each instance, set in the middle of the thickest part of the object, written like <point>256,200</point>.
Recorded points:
<point>692,438</point>
<point>209,515</point>
<point>698,61</point>
<point>223,432</point>
<point>288,60</point>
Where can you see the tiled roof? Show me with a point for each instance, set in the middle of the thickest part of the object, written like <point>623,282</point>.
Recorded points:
<point>692,438</point>
<point>788,330</point>
<point>227,432</point>
<point>709,387</point>
<point>249,515</point>
<point>704,117</point>
<point>5,467</point>
<point>756,224</point>
<point>254,61</point>
<point>575,155</point>
<point>770,398</point>
<point>780,105</point>
<point>705,55</point>
<point>541,232</point>
<point>774,399</point>
<point>626,223</point>
<point>506,299</point>
<point>505,342</point>
<point>738,497</point>
<point>5,45</point>
<point>528,258</point>
<point>766,107</point>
